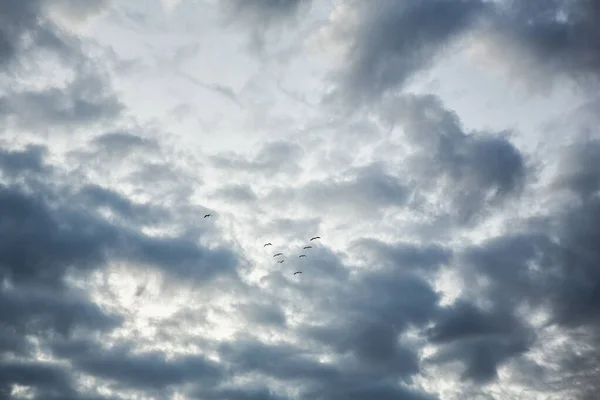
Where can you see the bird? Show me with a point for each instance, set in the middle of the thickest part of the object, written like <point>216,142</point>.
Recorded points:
<point>302,255</point>
<point>207,215</point>
<point>280,261</point>
<point>316,237</point>
<point>278,254</point>
<point>268,244</point>
<point>307,247</point>
<point>297,272</point>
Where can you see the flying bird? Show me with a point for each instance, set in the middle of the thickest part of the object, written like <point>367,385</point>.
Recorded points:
<point>278,254</point>
<point>316,237</point>
<point>268,244</point>
<point>207,215</point>
<point>307,247</point>
<point>297,272</point>
<point>280,261</point>
<point>302,255</point>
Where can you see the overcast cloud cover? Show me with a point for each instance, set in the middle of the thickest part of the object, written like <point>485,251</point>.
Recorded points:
<point>447,152</point>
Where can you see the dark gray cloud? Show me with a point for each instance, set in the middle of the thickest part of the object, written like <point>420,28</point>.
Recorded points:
<point>27,34</point>
<point>537,40</point>
<point>148,371</point>
<point>574,172</point>
<point>71,237</point>
<point>357,320</point>
<point>363,391</point>
<point>549,265</point>
<point>561,37</point>
<point>52,232</point>
<point>463,319</point>
<point>123,207</point>
<point>239,393</point>
<point>28,160</point>
<point>48,381</point>
<point>25,19</point>
<point>483,355</point>
<point>398,39</point>
<point>481,339</point>
<point>317,380</point>
<point>278,361</point>
<point>477,170</point>
<point>85,100</point>
<point>376,346</point>
<point>367,318</point>
<point>46,310</point>
<point>404,256</point>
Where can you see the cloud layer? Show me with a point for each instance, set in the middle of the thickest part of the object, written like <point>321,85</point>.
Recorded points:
<point>453,261</point>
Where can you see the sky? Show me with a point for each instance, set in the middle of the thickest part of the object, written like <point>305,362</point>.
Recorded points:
<point>446,152</point>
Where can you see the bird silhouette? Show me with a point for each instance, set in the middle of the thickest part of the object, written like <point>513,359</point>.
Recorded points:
<point>316,237</point>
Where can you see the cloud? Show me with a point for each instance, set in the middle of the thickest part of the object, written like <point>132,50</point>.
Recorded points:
<point>19,19</point>
<point>45,311</point>
<point>239,193</point>
<point>482,339</point>
<point>273,158</point>
<point>397,40</point>
<point>455,261</point>
<point>261,15</point>
<point>403,256</point>
<point>29,160</point>
<point>475,170</point>
<point>541,41</point>
<point>48,379</point>
<point>368,322</point>
<point>367,391</point>
<point>65,237</point>
<point>263,314</point>
<point>546,267</point>
<point>33,46</point>
<point>360,191</point>
<point>241,393</point>
<point>54,234</point>
<point>83,101</point>
<point>149,371</point>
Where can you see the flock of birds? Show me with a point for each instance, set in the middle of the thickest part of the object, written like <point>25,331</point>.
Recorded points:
<point>300,256</point>
<point>281,254</point>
